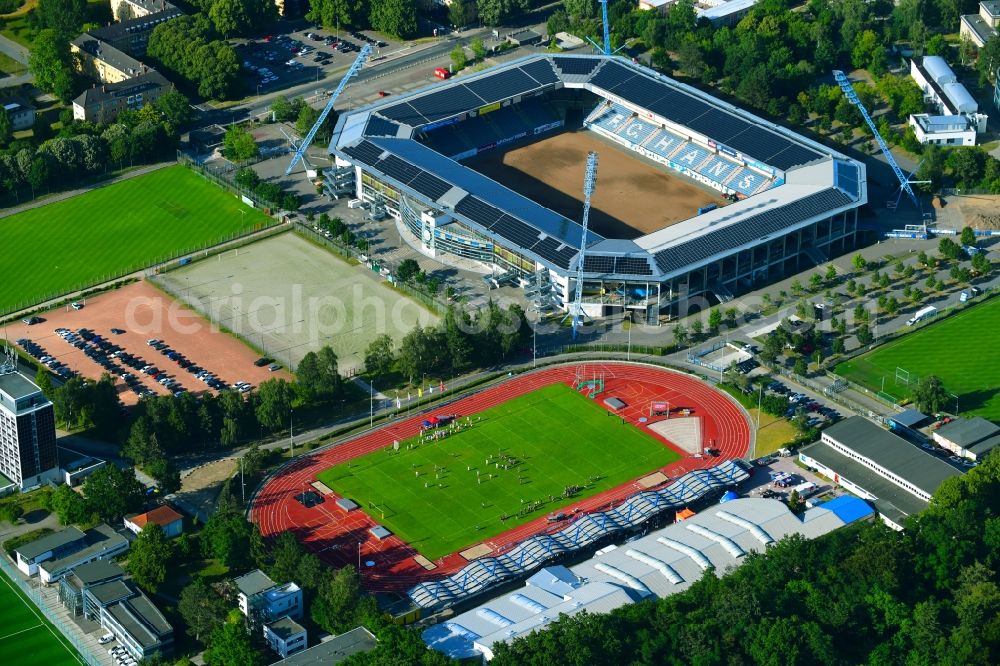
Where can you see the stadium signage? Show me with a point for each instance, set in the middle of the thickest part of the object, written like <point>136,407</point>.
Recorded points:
<point>515,137</point>
<point>441,123</point>
<point>489,108</point>
<point>546,127</point>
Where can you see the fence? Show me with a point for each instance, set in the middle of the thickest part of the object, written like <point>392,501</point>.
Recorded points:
<point>224,177</point>
<point>41,603</point>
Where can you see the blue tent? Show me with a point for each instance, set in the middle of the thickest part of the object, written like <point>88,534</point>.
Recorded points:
<point>729,495</point>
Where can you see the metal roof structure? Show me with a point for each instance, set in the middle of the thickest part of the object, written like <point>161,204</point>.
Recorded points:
<point>254,582</point>
<point>813,182</point>
<point>334,650</point>
<point>658,564</point>
<point>17,386</point>
<point>55,541</point>
<point>893,454</point>
<point>585,529</point>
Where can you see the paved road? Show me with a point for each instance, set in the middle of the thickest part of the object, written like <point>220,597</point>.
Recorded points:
<point>14,50</point>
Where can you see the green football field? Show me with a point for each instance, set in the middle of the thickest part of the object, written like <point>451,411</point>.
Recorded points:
<point>443,496</point>
<point>113,230</point>
<point>26,637</point>
<point>959,350</point>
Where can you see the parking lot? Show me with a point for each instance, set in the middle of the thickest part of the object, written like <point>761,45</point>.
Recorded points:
<point>146,342</point>
<point>279,61</point>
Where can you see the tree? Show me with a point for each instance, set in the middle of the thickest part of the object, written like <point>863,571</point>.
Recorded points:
<point>307,118</point>
<point>339,605</point>
<point>697,328</point>
<point>988,60</point>
<point>226,537</point>
<point>49,61</point>
<point>494,12</point>
<point>864,335</point>
<point>949,249</point>
<point>274,403</point>
<point>815,282</point>
<point>317,374</point>
<point>831,272</point>
<point>478,49</point>
<point>981,264</point>
<point>149,556</point>
<point>394,17</point>
<point>800,366</point>
<point>189,47</point>
<point>714,321</point>
<point>175,107</point>
<point>65,17</point>
<point>930,394</point>
<point>407,270</point>
<point>202,609</point>
<point>112,492</point>
<point>968,237</point>
<point>458,58</point>
<point>239,145</point>
<point>166,475</point>
<point>860,263</point>
<point>230,645</point>
<point>379,355</point>
<point>6,128</point>
<point>70,508</point>
<point>461,13</point>
<point>680,335</point>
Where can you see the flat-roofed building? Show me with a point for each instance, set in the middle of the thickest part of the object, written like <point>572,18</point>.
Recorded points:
<point>137,624</point>
<point>98,543</point>
<point>27,432</point>
<point>20,111</point>
<point>84,577</point>
<point>262,600</point>
<point>285,636</point>
<point>970,438</point>
<point>957,120</point>
<point>982,27</point>
<point>334,650</point>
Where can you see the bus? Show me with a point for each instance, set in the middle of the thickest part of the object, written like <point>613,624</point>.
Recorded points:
<point>921,314</point>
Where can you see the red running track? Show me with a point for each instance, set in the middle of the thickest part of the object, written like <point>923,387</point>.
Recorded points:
<point>342,539</point>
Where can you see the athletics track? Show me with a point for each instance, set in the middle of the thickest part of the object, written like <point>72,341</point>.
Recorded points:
<point>335,536</point>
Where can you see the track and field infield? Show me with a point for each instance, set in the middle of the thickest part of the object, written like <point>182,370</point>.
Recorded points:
<point>958,349</point>
<point>343,538</point>
<point>633,196</point>
<point>287,297</point>
<point>114,230</point>
<point>26,637</point>
<point>440,496</point>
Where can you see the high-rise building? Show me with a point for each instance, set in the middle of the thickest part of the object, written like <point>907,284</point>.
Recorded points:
<point>27,433</point>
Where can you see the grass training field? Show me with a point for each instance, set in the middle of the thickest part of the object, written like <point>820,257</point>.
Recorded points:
<point>26,637</point>
<point>126,226</point>
<point>556,437</point>
<point>959,350</point>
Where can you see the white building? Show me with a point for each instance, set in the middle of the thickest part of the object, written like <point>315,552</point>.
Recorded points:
<point>285,636</point>
<point>982,27</point>
<point>970,438</point>
<point>957,120</point>
<point>53,556</point>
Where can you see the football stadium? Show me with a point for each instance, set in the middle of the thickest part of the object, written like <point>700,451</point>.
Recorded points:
<point>489,167</point>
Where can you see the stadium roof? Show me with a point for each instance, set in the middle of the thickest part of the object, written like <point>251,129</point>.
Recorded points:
<point>659,564</point>
<point>812,181</point>
<point>894,454</point>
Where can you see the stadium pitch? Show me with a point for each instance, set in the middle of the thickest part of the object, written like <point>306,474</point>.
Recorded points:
<point>444,495</point>
<point>25,636</point>
<point>114,230</point>
<point>633,196</point>
<point>954,349</point>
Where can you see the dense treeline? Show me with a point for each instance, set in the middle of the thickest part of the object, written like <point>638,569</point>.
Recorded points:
<point>393,17</point>
<point>82,150</point>
<point>191,48</point>
<point>860,595</point>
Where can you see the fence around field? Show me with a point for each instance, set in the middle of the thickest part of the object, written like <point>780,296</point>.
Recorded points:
<point>41,603</point>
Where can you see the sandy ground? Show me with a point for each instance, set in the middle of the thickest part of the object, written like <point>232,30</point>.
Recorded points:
<point>979,211</point>
<point>632,197</point>
<point>145,312</point>
<point>200,487</point>
<point>289,297</point>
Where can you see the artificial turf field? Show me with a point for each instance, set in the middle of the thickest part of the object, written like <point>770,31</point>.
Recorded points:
<point>560,437</point>
<point>114,230</point>
<point>26,637</point>
<point>958,349</point>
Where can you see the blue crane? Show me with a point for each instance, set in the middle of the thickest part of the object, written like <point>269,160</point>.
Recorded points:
<point>589,181</point>
<point>852,97</point>
<point>607,32</point>
<point>355,68</point>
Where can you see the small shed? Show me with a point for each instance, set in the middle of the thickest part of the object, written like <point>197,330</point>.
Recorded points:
<point>909,418</point>
<point>380,532</point>
<point>347,505</point>
<point>614,403</point>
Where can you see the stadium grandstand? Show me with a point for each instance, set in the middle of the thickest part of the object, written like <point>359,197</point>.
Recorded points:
<point>793,202</point>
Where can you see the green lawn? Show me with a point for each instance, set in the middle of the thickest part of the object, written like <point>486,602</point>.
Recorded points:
<point>26,637</point>
<point>127,226</point>
<point>959,350</point>
<point>559,438</point>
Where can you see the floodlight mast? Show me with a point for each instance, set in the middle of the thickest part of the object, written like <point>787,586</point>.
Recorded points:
<point>852,97</point>
<point>355,68</point>
<point>606,50</point>
<point>589,181</point>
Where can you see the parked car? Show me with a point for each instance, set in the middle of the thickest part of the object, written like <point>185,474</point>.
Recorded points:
<point>31,321</point>
<point>76,305</point>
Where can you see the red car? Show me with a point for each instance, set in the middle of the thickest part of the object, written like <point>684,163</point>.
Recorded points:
<point>382,93</point>
<point>268,38</point>
<point>442,73</point>
<point>295,49</point>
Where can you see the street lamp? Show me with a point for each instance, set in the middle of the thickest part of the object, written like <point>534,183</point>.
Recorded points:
<point>628,353</point>
<point>371,404</point>
<point>291,436</point>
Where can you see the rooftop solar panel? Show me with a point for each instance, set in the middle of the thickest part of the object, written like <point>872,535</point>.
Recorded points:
<point>478,211</point>
<point>366,152</point>
<point>572,65</point>
<point>759,143</point>
<point>380,127</point>
<point>717,125</point>
<point>396,168</point>
<point>793,155</point>
<point>503,85</point>
<point>747,230</point>
<point>403,113</point>
<point>632,266</point>
<point>541,71</point>
<point>678,107</point>
<point>514,230</point>
<point>446,102</point>
<point>596,263</point>
<point>610,75</point>
<point>429,185</point>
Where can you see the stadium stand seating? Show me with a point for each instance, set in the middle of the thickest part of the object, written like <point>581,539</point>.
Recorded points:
<point>485,573</point>
<point>719,169</point>
<point>664,143</point>
<point>637,131</point>
<point>491,127</point>
<point>691,156</point>
<point>746,181</point>
<point>612,118</point>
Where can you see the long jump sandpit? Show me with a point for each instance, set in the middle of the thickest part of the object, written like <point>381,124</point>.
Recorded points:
<point>633,197</point>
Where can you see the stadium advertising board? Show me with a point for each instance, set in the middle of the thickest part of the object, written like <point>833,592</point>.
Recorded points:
<point>466,154</point>
<point>757,165</point>
<point>546,127</point>
<point>486,146</point>
<point>514,137</point>
<point>489,108</point>
<point>443,123</point>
